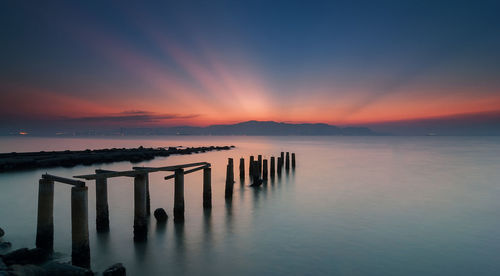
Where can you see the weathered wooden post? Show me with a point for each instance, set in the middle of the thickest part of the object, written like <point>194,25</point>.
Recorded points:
<point>256,175</point>
<point>293,160</point>
<point>229,183</point>
<point>101,204</point>
<point>242,168</point>
<point>231,171</point>
<point>80,254</point>
<point>207,188</point>
<point>287,162</point>
<point>250,167</point>
<point>282,154</point>
<point>148,198</point>
<point>264,169</point>
<point>260,163</point>
<point>272,169</point>
<point>179,195</point>
<point>45,219</point>
<point>140,222</point>
<point>280,165</point>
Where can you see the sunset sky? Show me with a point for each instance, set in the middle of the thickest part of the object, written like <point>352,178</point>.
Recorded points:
<point>210,62</point>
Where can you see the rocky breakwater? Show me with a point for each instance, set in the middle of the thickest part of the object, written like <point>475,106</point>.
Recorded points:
<point>46,159</point>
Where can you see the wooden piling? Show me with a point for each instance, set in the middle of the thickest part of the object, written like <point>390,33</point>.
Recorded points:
<point>264,169</point>
<point>293,160</point>
<point>272,169</point>
<point>102,209</point>
<point>45,218</point>
<point>287,162</point>
<point>259,158</point>
<point>80,255</point>
<point>148,198</point>
<point>250,166</point>
<point>140,221</point>
<point>242,168</point>
<point>256,175</point>
<point>179,196</point>
<point>231,170</point>
<point>229,183</point>
<point>282,155</point>
<point>207,188</point>
<point>280,165</point>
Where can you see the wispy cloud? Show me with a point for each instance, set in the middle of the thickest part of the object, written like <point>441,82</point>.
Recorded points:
<point>132,116</point>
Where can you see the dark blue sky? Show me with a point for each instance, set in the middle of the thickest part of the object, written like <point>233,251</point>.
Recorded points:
<point>202,62</point>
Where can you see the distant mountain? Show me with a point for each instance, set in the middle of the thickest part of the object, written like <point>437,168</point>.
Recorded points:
<point>264,128</point>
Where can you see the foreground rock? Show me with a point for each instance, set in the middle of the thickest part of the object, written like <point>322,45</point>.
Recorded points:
<point>115,270</point>
<point>25,256</point>
<point>32,160</point>
<point>160,215</point>
<point>2,232</point>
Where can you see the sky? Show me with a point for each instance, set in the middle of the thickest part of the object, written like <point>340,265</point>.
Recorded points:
<point>168,63</point>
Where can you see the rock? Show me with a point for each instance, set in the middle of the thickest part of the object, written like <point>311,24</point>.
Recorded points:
<point>115,270</point>
<point>60,269</point>
<point>160,215</point>
<point>3,266</point>
<point>5,245</point>
<point>26,256</point>
<point>2,232</point>
<point>23,270</point>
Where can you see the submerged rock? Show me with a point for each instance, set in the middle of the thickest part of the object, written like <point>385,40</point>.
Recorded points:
<point>115,270</point>
<point>2,232</point>
<point>29,269</point>
<point>5,245</point>
<point>160,215</point>
<point>26,256</point>
<point>60,269</point>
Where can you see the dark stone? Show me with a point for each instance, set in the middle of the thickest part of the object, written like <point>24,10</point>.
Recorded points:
<point>61,269</point>
<point>5,245</point>
<point>3,266</point>
<point>160,215</point>
<point>115,270</point>
<point>2,232</point>
<point>26,256</point>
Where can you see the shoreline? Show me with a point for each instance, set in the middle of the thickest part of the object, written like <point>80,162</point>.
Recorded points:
<point>46,159</point>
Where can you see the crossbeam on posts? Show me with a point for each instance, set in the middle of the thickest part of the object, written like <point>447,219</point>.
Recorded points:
<point>138,171</point>
<point>188,171</point>
<point>64,180</point>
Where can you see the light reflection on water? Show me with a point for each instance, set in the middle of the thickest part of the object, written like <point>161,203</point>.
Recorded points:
<point>354,206</point>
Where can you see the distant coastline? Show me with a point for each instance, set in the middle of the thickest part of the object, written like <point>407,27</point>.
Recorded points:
<point>249,128</point>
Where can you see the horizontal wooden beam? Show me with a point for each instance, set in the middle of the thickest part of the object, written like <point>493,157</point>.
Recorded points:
<point>188,171</point>
<point>170,168</point>
<point>64,180</point>
<point>138,171</point>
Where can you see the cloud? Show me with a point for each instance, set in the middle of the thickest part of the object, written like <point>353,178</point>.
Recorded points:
<point>132,116</point>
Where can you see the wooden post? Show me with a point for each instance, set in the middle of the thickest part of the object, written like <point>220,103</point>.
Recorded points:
<point>242,168</point>
<point>264,169</point>
<point>260,164</point>
<point>256,175</point>
<point>231,171</point>
<point>250,166</point>
<point>293,160</point>
<point>140,222</point>
<point>207,188</point>
<point>229,183</point>
<point>287,162</point>
<point>179,196</point>
<point>80,254</point>
<point>101,204</point>
<point>148,198</point>
<point>273,168</point>
<point>282,154</point>
<point>280,165</point>
<point>45,219</point>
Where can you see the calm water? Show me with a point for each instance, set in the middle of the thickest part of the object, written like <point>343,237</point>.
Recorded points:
<point>354,206</point>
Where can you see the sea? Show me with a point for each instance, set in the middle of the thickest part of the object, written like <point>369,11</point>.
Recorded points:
<point>352,206</point>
